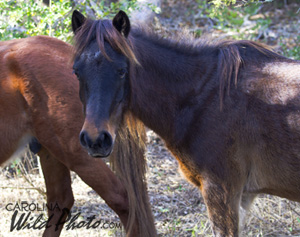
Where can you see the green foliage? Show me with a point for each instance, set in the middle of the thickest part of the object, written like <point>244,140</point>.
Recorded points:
<point>23,18</point>
<point>249,20</point>
<point>220,3</point>
<point>292,51</point>
<point>27,18</point>
<point>223,3</point>
<point>106,9</point>
<point>193,230</point>
<point>228,18</point>
<point>232,18</point>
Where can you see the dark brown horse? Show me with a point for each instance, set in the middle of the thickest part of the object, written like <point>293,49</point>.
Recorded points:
<point>228,111</point>
<point>39,105</point>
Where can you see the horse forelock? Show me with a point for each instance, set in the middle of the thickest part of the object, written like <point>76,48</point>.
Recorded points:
<point>103,31</point>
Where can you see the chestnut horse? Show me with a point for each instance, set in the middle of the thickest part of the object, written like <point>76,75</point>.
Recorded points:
<point>39,104</point>
<point>228,111</point>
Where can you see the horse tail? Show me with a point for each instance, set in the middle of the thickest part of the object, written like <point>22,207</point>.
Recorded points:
<point>129,163</point>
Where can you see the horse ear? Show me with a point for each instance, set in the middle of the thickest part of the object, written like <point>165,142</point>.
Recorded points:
<point>121,23</point>
<point>77,20</point>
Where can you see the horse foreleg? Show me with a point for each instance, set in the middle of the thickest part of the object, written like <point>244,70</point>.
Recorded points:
<point>223,207</point>
<point>59,192</point>
<point>97,175</point>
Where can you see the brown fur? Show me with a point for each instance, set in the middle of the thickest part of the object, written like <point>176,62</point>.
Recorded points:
<point>39,97</point>
<point>249,146</point>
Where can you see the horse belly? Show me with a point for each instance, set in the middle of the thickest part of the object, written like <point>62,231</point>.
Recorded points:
<point>275,169</point>
<point>20,148</point>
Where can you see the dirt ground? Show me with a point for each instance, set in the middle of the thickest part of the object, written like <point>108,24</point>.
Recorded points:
<point>178,207</point>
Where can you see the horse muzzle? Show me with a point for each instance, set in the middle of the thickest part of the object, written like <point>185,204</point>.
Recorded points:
<point>100,147</point>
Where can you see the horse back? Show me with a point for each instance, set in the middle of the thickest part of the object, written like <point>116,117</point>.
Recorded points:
<point>24,60</point>
<point>37,72</point>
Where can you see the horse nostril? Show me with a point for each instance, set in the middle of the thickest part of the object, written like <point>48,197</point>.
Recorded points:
<point>82,139</point>
<point>101,147</point>
<point>105,140</point>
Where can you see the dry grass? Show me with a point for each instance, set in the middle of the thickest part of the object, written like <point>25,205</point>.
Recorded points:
<point>30,188</point>
<point>178,207</point>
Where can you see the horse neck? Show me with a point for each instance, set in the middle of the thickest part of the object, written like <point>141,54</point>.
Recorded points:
<point>167,75</point>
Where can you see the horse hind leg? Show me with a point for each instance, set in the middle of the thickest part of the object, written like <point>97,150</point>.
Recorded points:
<point>59,192</point>
<point>247,200</point>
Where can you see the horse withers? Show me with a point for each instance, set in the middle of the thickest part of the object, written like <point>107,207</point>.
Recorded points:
<point>39,104</point>
<point>228,111</point>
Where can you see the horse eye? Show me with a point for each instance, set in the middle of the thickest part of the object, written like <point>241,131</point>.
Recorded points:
<point>122,72</point>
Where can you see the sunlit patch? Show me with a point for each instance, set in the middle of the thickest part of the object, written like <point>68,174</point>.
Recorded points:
<point>91,56</point>
<point>21,148</point>
<point>97,54</point>
<point>293,120</point>
<point>278,83</point>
